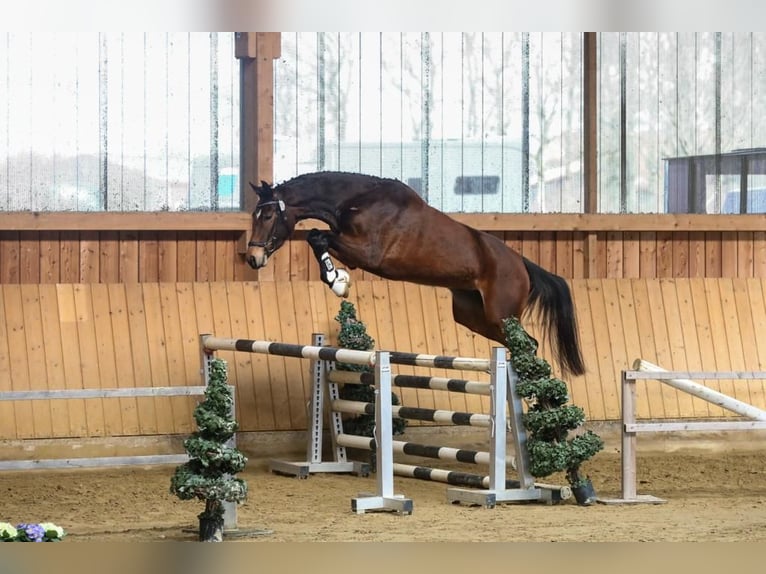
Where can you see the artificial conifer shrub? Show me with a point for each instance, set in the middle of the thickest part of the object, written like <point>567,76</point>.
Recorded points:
<point>353,335</point>
<point>209,473</point>
<point>549,419</point>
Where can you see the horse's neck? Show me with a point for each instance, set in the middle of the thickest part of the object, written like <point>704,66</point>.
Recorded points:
<point>307,206</point>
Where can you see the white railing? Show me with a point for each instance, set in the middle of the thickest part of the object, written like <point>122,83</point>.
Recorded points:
<point>681,380</point>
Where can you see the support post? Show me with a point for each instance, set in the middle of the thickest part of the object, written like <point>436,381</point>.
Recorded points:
<point>628,449</point>
<point>503,400</point>
<point>385,499</point>
<point>320,390</point>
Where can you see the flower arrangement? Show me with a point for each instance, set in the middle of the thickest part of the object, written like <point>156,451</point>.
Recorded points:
<point>31,532</point>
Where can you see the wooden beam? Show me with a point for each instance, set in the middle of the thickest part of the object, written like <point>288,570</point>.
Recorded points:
<point>240,221</point>
<point>124,221</point>
<point>256,54</point>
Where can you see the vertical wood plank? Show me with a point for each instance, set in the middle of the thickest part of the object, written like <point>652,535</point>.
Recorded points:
<point>139,347</point>
<point>599,399</point>
<point>712,296</point>
<point>585,391</point>
<point>35,355</point>
<point>729,253</point>
<point>296,370</point>
<point>206,257</point>
<point>706,333</point>
<point>148,258</point>
<point>50,253</point>
<point>713,264</point>
<point>157,356</point>
<point>86,334</point>
<point>69,243</point>
<point>90,258</point>
<point>690,351</point>
<point>664,254</point>
<point>668,395</point>
<point>747,337</point>
<point>9,257</point>
<point>126,378</point>
<point>224,257</point>
<point>109,257</point>
<point>259,364</point>
<point>681,255</point>
<point>676,342</point>
<point>615,361</point>
<point>745,254</point>
<point>175,359</point>
<point>281,388</point>
<point>614,254</point>
<point>631,253</point>
<point>189,372</point>
<point>186,256</point>
<point>648,348</point>
<point>105,357</point>
<point>129,257</point>
<point>70,348</point>
<point>240,369</point>
<point>759,254</point>
<point>564,254</point>
<point>8,428</point>
<point>648,254</point>
<point>632,339</point>
<point>167,257</point>
<point>29,257</point>
<point>393,300</point>
<point>697,254</point>
<point>732,334</point>
<point>756,290</point>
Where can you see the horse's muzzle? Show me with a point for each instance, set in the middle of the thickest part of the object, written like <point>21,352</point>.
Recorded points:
<point>257,257</point>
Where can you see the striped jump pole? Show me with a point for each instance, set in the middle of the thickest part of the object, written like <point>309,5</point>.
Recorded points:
<point>458,478</point>
<point>290,350</point>
<point>426,451</point>
<point>413,382</point>
<point>415,413</point>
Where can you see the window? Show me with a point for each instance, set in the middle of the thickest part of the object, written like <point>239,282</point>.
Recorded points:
<point>118,121</point>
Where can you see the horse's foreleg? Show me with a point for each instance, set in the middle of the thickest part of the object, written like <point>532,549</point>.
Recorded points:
<point>338,279</point>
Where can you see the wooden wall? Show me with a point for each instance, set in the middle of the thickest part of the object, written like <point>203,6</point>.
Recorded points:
<point>56,336</point>
<point>129,247</point>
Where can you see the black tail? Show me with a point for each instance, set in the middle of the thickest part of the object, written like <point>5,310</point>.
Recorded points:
<point>549,295</point>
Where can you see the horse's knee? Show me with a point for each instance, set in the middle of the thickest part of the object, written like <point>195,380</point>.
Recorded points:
<point>319,242</point>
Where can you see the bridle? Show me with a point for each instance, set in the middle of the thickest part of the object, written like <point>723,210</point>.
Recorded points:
<point>269,244</point>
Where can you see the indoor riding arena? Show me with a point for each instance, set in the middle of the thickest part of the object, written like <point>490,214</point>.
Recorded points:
<point>128,228</point>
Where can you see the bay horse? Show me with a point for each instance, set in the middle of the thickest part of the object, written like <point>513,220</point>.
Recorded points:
<point>384,227</point>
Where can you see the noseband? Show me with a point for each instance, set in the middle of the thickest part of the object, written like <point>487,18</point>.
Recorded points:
<point>269,244</point>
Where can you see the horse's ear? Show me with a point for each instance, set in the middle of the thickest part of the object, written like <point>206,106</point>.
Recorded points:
<point>264,191</point>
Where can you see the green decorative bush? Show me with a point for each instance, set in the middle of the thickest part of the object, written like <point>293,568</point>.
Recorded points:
<point>548,419</point>
<point>353,335</point>
<point>209,473</point>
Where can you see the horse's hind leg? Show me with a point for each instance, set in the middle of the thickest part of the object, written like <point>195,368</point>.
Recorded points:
<point>338,279</point>
<point>468,310</point>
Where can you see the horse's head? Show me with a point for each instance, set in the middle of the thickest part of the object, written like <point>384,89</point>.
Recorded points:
<point>270,226</point>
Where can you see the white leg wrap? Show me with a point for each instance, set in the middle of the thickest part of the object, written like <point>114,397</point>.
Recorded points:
<point>338,279</point>
<point>342,283</point>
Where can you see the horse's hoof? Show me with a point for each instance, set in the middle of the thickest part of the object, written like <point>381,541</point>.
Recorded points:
<point>342,283</point>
